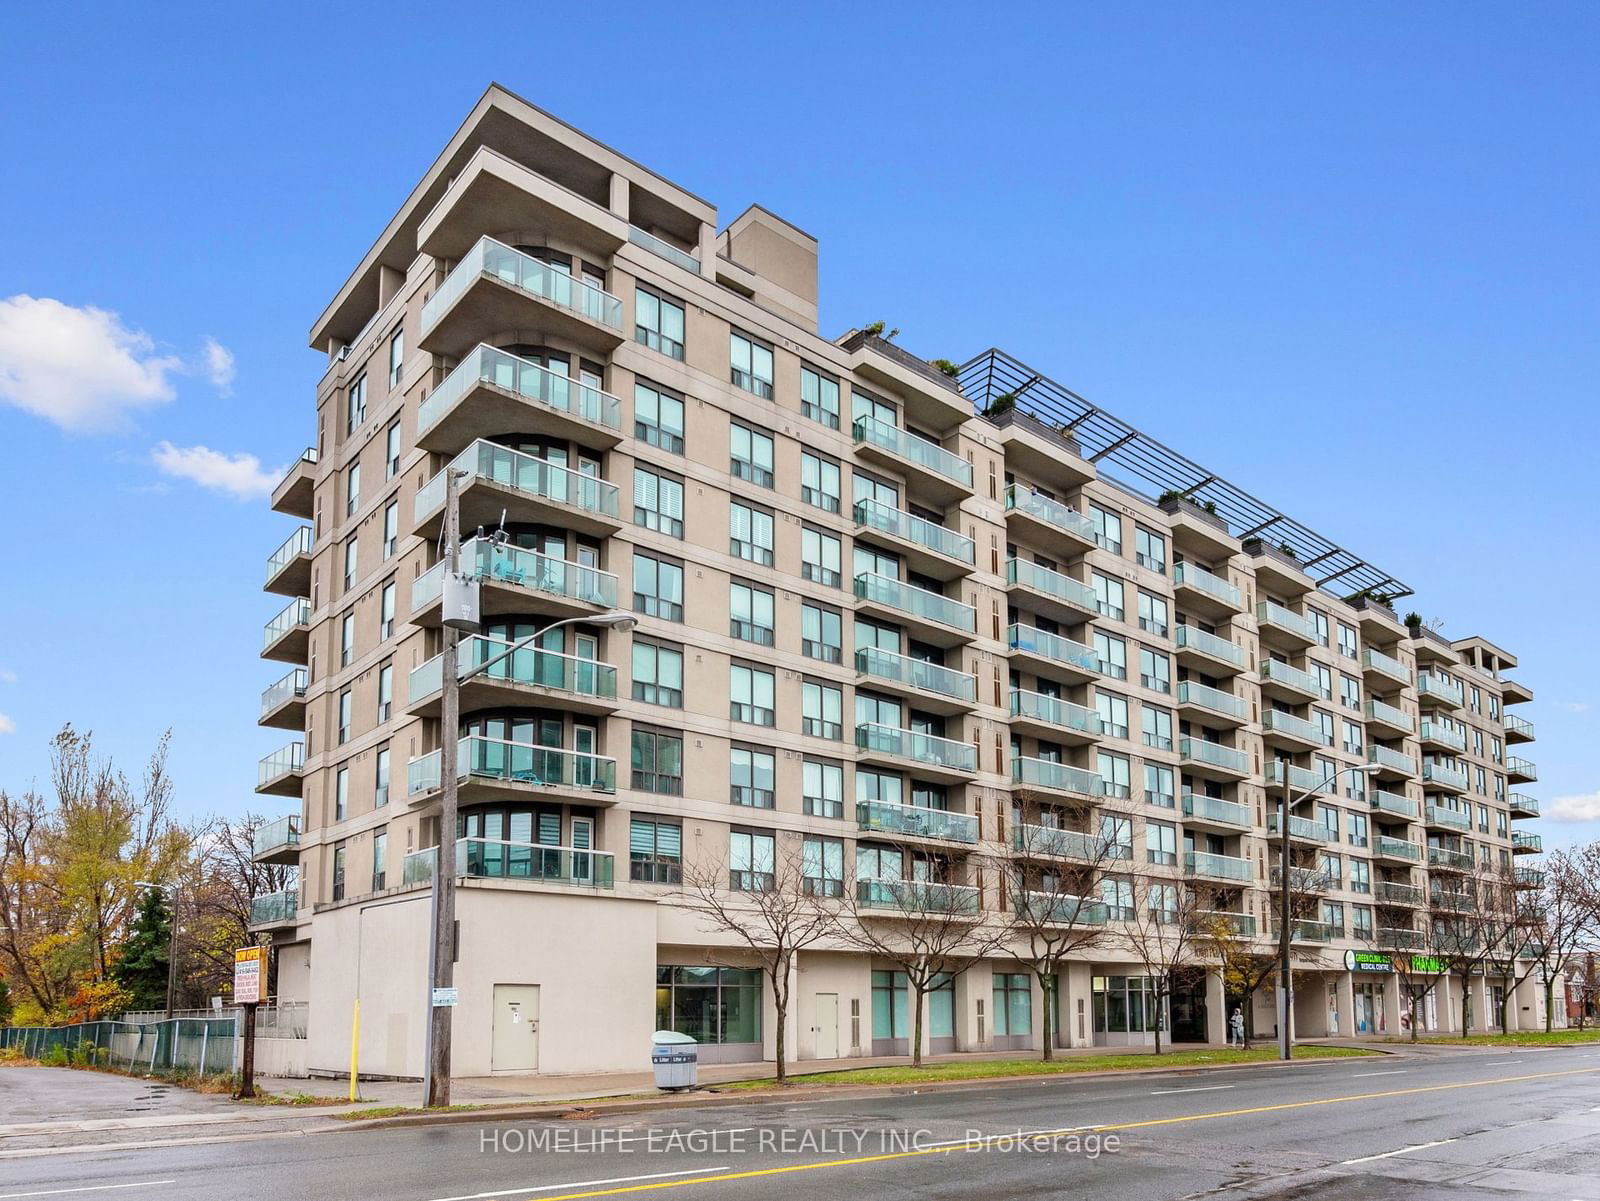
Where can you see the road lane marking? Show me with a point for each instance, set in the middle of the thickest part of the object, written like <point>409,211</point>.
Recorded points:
<point>545,1188</point>
<point>1209,1088</point>
<point>1402,1151</point>
<point>1395,1072</point>
<point>88,1188</point>
<point>885,1157</point>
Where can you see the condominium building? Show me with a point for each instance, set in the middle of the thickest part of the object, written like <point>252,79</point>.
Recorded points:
<point>915,628</point>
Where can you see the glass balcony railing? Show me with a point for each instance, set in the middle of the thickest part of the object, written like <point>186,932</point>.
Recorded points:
<point>1396,848</point>
<point>916,673</point>
<point>522,473</point>
<point>917,450</point>
<point>1217,867</point>
<point>1022,499</point>
<point>1518,727</point>
<point>1055,711</point>
<point>1305,930</point>
<point>496,859</point>
<point>1452,900</point>
<point>297,544</point>
<point>918,897</point>
<point>275,908</point>
<point>1303,879</point>
<point>1523,805</point>
<point>1198,750</point>
<point>530,666</point>
<point>1064,844</point>
<point>1242,925</point>
<point>1392,759</point>
<point>1521,769</point>
<point>917,602</point>
<point>1290,677</point>
<point>489,258</point>
<point>1438,690</point>
<point>1301,779</point>
<point>290,687</point>
<point>521,568</point>
<point>1445,857</point>
<point>297,613</point>
<point>529,381</point>
<point>1436,731</point>
<point>1389,715</point>
<point>663,248</point>
<point>1393,802</point>
<point>1452,819</point>
<point>1063,588</point>
<point>1291,726</point>
<point>1386,664</point>
<point>888,817</point>
<point>1529,877</point>
<point>517,763</point>
<point>1270,613</point>
<point>1213,809</point>
<point>1304,827</point>
<point>1214,699</point>
<point>289,759</point>
<point>1058,908</point>
<point>1192,638</point>
<point>1191,575</point>
<point>889,520</point>
<point>919,748</point>
<point>1393,938</point>
<point>276,835</point>
<point>1053,646</point>
<point>1527,842</point>
<point>1387,892</point>
<point>1059,777</point>
<point>1443,775</point>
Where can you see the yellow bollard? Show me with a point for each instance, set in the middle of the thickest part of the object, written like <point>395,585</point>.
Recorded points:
<point>355,1042</point>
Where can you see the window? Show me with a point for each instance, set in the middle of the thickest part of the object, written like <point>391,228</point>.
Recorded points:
<point>1013,1003</point>
<point>750,533</point>
<point>822,788</point>
<point>658,418</point>
<point>1113,655</point>
<point>1160,843</point>
<point>1355,785</point>
<point>352,489</point>
<point>1162,901</point>
<point>1331,866</point>
<point>819,482</point>
<point>341,794</point>
<point>1360,875</point>
<point>1114,771</point>
<point>1356,825</point>
<point>819,397</point>
<point>821,633</point>
<point>1347,641</point>
<point>355,403</point>
<point>1113,712</point>
<point>820,557</point>
<point>1333,917</point>
<point>655,851</point>
<point>710,1004</point>
<point>380,847</point>
<point>397,356</point>
<point>822,866</point>
<point>1361,920</point>
<point>1152,614</point>
<point>750,455</point>
<point>656,758</point>
<point>1324,676</point>
<point>751,861</point>
<point>338,871</point>
<point>347,639</point>
<point>385,691</point>
<point>344,717</point>
<point>752,365</point>
<point>657,674</point>
<point>1155,670</point>
<point>1157,727</point>
<point>350,564</point>
<point>386,611</point>
<point>657,587</point>
<point>380,778</point>
<point>1319,622</point>
<point>1158,783</point>
<point>751,692</point>
<point>1117,893</point>
<point>1108,596</point>
<point>1352,738</point>
<point>752,777</point>
<point>1107,528</point>
<point>391,527</point>
<point>821,710</point>
<point>1350,692</point>
<point>391,452</point>
<point>657,502</point>
<point>750,613</point>
<point>1149,550</point>
<point>658,322</point>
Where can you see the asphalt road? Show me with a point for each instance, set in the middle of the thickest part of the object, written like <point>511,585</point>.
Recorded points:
<point>1426,1128</point>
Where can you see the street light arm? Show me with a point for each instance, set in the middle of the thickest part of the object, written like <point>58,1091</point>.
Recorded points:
<point>616,620</point>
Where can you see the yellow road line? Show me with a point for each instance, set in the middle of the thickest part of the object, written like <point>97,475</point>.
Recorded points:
<point>1042,1134</point>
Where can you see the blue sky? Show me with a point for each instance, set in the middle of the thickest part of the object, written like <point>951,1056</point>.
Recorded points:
<point>1280,238</point>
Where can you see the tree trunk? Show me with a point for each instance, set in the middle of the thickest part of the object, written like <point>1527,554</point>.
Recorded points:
<point>780,1002</point>
<point>1413,1001</point>
<point>1549,1002</point>
<point>1466,1006</point>
<point>1048,1024</point>
<point>916,1027</point>
<point>1160,994</point>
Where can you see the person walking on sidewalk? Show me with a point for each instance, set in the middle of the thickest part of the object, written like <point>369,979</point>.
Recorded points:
<point>1236,1028</point>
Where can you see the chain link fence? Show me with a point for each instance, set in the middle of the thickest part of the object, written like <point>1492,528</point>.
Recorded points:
<point>179,1047</point>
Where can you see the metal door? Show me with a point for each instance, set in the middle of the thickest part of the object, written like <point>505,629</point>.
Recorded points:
<point>827,1027</point>
<point>515,1046</point>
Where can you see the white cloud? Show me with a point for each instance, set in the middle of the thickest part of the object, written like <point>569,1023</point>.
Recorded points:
<point>1576,808</point>
<point>7,676</point>
<point>78,367</point>
<point>7,726</point>
<point>219,366</point>
<point>1576,706</point>
<point>240,476</point>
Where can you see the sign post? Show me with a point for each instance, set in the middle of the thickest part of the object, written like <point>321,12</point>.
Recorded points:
<point>249,969</point>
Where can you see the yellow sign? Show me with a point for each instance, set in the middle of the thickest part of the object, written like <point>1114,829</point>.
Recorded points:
<point>249,974</point>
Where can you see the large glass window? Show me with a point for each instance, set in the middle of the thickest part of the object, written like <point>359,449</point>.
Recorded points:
<point>1113,712</point>
<point>658,322</point>
<point>750,454</point>
<point>750,533</point>
<point>821,710</point>
<point>1114,770</point>
<point>350,564</point>
<point>822,866</point>
<point>710,1004</point>
<point>1157,727</point>
<point>1124,1004</point>
<point>656,758</point>
<point>1107,528</point>
<point>752,365</point>
<point>355,403</point>
<point>1150,550</point>
<point>750,609</point>
<point>1161,843</point>
<point>1155,670</point>
<point>819,397</point>
<point>753,777</point>
<point>397,356</point>
<point>657,674</point>
<point>1158,783</point>
<point>820,557</point>
<point>819,481</point>
<point>821,633</point>
<point>391,527</point>
<point>751,693</point>
<point>1013,1003</point>
<point>380,778</point>
<point>658,417</point>
<point>391,451</point>
<point>657,587</point>
<point>1113,655</point>
<point>1153,616</point>
<point>751,860</point>
<point>655,851</point>
<point>352,489</point>
<point>822,788</point>
<point>1108,595</point>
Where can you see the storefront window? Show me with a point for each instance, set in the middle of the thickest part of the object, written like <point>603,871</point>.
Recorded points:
<point>1013,1003</point>
<point>1124,1004</point>
<point>710,1004</point>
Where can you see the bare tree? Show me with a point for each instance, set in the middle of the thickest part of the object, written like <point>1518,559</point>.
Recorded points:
<point>795,908</point>
<point>1470,932</point>
<point>1245,961</point>
<point>1568,907</point>
<point>222,878</point>
<point>1164,933</point>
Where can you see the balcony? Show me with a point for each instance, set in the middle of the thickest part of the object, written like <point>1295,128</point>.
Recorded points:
<point>1200,531</point>
<point>492,769</point>
<point>1040,450</point>
<point>280,773</point>
<point>1522,805</point>
<point>1212,760</point>
<point>1526,844</point>
<point>1303,879</point>
<point>492,393</point>
<point>1300,779</point>
<point>1520,771</point>
<point>1310,931</point>
<point>1398,850</point>
<point>930,468</point>
<point>1201,810</point>
<point>1048,780</point>
<point>1387,667</point>
<point>1052,718</point>
<point>517,582</point>
<point>524,488</point>
<point>1388,892</point>
<point>274,909</point>
<point>1215,707</point>
<point>1451,900</point>
<point>1394,721</point>
<point>1058,909</point>
<point>1391,763</point>
<point>664,249</point>
<point>496,288</point>
<point>1442,775</point>
<point>1048,518</point>
<point>1529,877</point>
<point>1437,817</point>
<point>277,841</point>
<point>292,495</point>
<point>1439,692</point>
<point>1277,569</point>
<point>932,618</point>
<point>932,687</point>
<point>1394,939</point>
<point>925,754</point>
<point>1513,693</point>
<point>1240,925</point>
<point>931,398</point>
<point>1303,829</point>
<point>1445,859</point>
<point>1518,729</point>
<point>1052,842</point>
<point>1284,682</point>
<point>1200,591</point>
<point>1041,590</point>
<point>288,635</point>
<point>1206,653</point>
<point>1435,733</point>
<point>289,567</point>
<point>1394,803</point>
<point>530,676</point>
<point>1285,729</point>
<point>927,547</point>
<point>534,862</point>
<point>283,705</point>
<point>917,899</point>
<point>915,821</point>
<point>1283,627</point>
<point>1051,654</point>
<point>1229,868</point>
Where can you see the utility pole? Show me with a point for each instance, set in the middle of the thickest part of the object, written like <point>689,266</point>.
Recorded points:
<point>172,956</point>
<point>1285,972</point>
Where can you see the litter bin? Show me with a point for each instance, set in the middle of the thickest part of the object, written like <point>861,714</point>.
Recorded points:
<point>676,1059</point>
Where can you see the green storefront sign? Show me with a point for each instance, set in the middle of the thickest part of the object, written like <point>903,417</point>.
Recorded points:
<point>1376,961</point>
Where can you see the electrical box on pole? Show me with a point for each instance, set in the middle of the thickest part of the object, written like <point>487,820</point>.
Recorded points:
<point>462,610</point>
